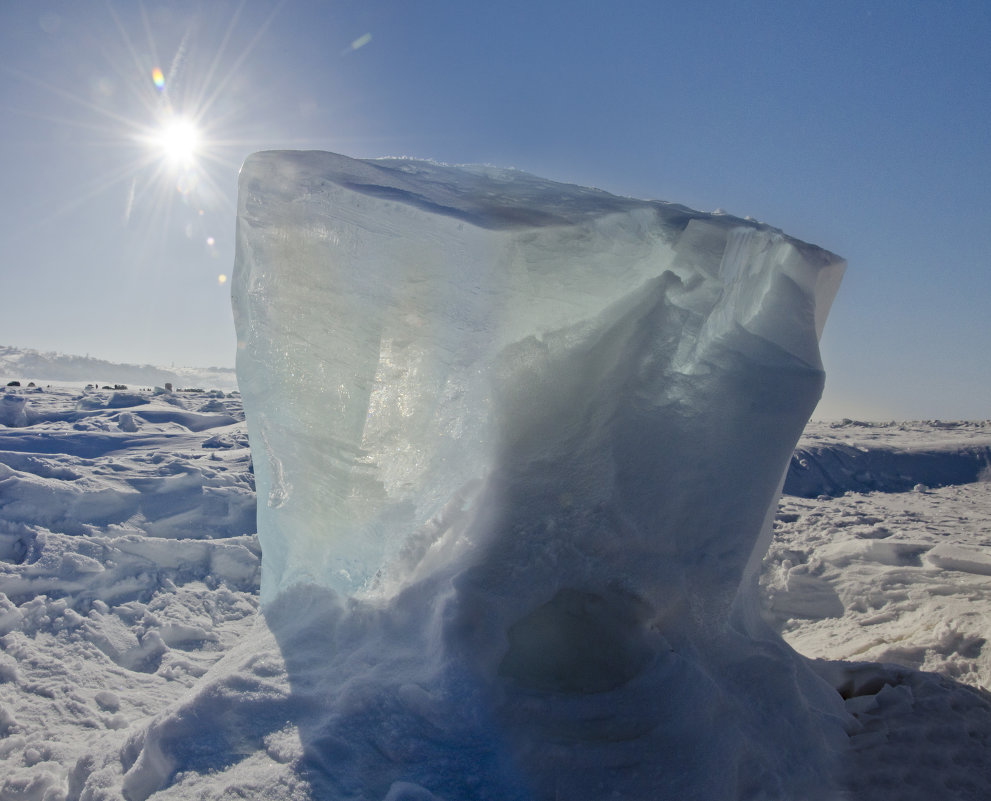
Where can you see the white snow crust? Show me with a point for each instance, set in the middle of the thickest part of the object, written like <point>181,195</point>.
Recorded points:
<point>133,662</point>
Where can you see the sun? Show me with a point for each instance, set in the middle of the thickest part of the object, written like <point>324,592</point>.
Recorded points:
<point>174,125</point>
<point>179,141</point>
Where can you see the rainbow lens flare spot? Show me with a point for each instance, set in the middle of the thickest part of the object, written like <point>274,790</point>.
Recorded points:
<point>158,78</point>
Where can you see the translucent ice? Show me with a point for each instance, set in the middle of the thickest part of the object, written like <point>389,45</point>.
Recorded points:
<point>408,329</point>
<point>540,430</point>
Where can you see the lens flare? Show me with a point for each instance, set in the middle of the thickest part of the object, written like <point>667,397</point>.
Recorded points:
<point>361,41</point>
<point>158,79</point>
<point>187,181</point>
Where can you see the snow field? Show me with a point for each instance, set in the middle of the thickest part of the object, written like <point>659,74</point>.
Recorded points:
<point>128,567</point>
<point>133,663</point>
<point>901,577</point>
<point>892,584</point>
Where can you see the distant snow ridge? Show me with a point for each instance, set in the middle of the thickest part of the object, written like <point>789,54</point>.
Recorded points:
<point>18,364</point>
<point>835,469</point>
<point>517,447</point>
<point>865,462</point>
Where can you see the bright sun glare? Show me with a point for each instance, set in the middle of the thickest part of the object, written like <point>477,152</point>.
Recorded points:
<point>171,132</point>
<point>179,141</point>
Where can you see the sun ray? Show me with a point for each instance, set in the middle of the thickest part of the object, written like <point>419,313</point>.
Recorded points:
<point>222,84</point>
<point>176,64</point>
<point>152,46</point>
<point>139,67</point>
<point>88,191</point>
<point>129,206</point>
<point>111,133</point>
<point>219,54</point>
<point>72,98</point>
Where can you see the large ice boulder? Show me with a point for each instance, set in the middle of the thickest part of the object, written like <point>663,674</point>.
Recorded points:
<point>517,447</point>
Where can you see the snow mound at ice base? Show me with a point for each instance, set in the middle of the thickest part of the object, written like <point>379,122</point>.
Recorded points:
<point>517,447</point>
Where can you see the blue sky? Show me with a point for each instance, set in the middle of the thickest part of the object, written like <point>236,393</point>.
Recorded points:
<point>860,126</point>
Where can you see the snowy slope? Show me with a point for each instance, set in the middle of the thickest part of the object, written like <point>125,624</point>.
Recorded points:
<point>134,663</point>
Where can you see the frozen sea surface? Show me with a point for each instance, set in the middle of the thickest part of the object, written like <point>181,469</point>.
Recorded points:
<point>129,625</point>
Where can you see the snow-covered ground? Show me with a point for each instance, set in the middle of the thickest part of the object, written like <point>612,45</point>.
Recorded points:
<point>128,567</point>
<point>129,580</point>
<point>900,577</point>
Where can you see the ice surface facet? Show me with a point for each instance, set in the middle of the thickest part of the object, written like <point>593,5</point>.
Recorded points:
<point>408,329</point>
<point>539,430</point>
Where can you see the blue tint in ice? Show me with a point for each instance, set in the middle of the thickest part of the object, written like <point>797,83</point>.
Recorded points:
<point>518,444</point>
<point>406,329</point>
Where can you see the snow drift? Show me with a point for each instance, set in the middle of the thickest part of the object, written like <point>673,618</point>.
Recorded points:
<point>834,468</point>
<point>517,447</point>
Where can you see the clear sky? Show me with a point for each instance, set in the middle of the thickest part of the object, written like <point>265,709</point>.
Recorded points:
<point>863,127</point>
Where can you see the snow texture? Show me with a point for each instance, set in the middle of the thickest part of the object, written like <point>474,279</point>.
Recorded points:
<point>128,566</point>
<point>133,663</point>
<point>518,446</point>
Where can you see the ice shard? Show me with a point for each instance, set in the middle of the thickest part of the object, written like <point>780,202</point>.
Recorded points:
<point>546,427</point>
